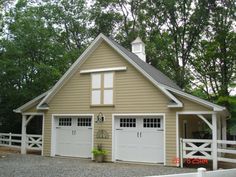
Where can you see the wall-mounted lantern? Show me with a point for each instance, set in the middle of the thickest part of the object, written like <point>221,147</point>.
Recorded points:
<point>100,118</point>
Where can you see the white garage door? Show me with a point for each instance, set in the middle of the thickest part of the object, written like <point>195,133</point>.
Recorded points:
<point>139,139</point>
<point>74,136</point>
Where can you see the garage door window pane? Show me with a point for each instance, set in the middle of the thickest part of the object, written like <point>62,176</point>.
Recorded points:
<point>96,97</point>
<point>84,122</point>
<point>64,122</point>
<point>152,123</point>
<point>130,122</point>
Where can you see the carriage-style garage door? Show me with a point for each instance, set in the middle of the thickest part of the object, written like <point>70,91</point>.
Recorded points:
<point>139,139</point>
<point>74,136</point>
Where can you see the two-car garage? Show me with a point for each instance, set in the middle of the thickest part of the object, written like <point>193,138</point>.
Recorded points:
<point>134,138</point>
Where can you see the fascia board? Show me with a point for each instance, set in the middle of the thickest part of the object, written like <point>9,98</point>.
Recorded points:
<point>196,99</point>
<point>30,103</point>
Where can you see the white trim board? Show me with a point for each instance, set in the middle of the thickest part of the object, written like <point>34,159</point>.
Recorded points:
<point>136,114</point>
<point>53,132</point>
<point>123,68</point>
<point>33,113</point>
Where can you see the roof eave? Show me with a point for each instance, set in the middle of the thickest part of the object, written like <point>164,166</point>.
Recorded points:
<point>198,100</point>
<point>30,103</point>
<point>17,111</point>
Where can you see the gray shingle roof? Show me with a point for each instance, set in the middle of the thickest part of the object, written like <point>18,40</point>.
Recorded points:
<point>157,75</point>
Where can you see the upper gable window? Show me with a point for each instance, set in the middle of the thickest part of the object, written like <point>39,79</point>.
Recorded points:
<point>102,88</point>
<point>96,89</point>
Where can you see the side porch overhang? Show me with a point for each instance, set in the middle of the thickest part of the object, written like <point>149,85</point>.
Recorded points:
<point>208,125</point>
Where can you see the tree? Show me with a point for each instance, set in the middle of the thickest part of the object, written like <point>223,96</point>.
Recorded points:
<point>171,30</point>
<point>215,65</point>
<point>35,52</point>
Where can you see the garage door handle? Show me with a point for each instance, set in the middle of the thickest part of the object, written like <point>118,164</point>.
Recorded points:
<point>138,134</point>
<point>73,132</point>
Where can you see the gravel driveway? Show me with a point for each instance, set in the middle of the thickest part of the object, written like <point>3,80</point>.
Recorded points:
<point>16,165</point>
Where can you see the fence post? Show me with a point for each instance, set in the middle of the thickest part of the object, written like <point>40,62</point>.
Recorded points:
<point>10,138</point>
<point>181,153</point>
<point>201,172</point>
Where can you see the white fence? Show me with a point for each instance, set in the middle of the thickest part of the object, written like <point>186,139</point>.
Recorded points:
<point>202,149</point>
<point>34,142</point>
<point>203,173</point>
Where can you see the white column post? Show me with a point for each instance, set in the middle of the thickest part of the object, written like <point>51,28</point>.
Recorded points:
<point>224,128</point>
<point>219,133</point>
<point>214,141</point>
<point>23,135</point>
<point>201,172</point>
<point>181,160</point>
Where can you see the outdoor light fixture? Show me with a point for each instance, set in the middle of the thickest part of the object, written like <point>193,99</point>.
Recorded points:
<point>100,118</point>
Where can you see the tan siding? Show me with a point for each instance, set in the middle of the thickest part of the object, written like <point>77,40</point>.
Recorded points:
<point>32,109</point>
<point>133,94</point>
<point>192,106</point>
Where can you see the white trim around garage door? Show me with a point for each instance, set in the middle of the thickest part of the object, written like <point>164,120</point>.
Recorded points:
<point>137,114</point>
<point>53,127</point>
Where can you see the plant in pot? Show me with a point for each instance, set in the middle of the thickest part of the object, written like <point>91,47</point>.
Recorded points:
<point>99,153</point>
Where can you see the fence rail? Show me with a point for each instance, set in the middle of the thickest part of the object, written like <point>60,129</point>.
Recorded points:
<point>34,142</point>
<point>202,149</point>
